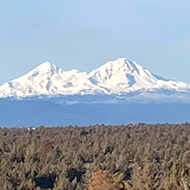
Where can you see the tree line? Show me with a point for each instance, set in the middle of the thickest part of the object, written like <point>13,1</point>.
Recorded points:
<point>124,157</point>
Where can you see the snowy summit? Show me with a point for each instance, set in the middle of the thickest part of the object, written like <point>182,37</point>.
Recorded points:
<point>114,77</point>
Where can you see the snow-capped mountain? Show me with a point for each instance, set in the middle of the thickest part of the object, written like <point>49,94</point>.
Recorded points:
<point>122,75</point>
<point>47,79</point>
<point>114,77</point>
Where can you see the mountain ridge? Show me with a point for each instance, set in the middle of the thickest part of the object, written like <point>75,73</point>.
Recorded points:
<point>114,77</point>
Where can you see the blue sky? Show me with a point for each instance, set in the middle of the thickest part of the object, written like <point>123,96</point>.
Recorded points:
<point>87,33</point>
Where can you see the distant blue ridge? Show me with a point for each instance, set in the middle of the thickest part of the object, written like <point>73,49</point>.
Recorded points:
<point>56,111</point>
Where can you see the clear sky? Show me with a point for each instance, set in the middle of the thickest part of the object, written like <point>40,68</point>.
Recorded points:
<point>84,34</point>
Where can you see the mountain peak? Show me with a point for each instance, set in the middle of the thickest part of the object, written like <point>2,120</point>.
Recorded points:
<point>121,59</point>
<point>122,64</point>
<point>46,67</point>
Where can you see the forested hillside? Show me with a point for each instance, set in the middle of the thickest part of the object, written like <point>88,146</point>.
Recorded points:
<point>126,157</point>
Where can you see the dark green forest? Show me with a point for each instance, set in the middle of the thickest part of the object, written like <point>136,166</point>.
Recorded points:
<point>125,157</point>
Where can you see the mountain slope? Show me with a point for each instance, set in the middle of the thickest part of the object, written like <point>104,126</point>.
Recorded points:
<point>114,77</point>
